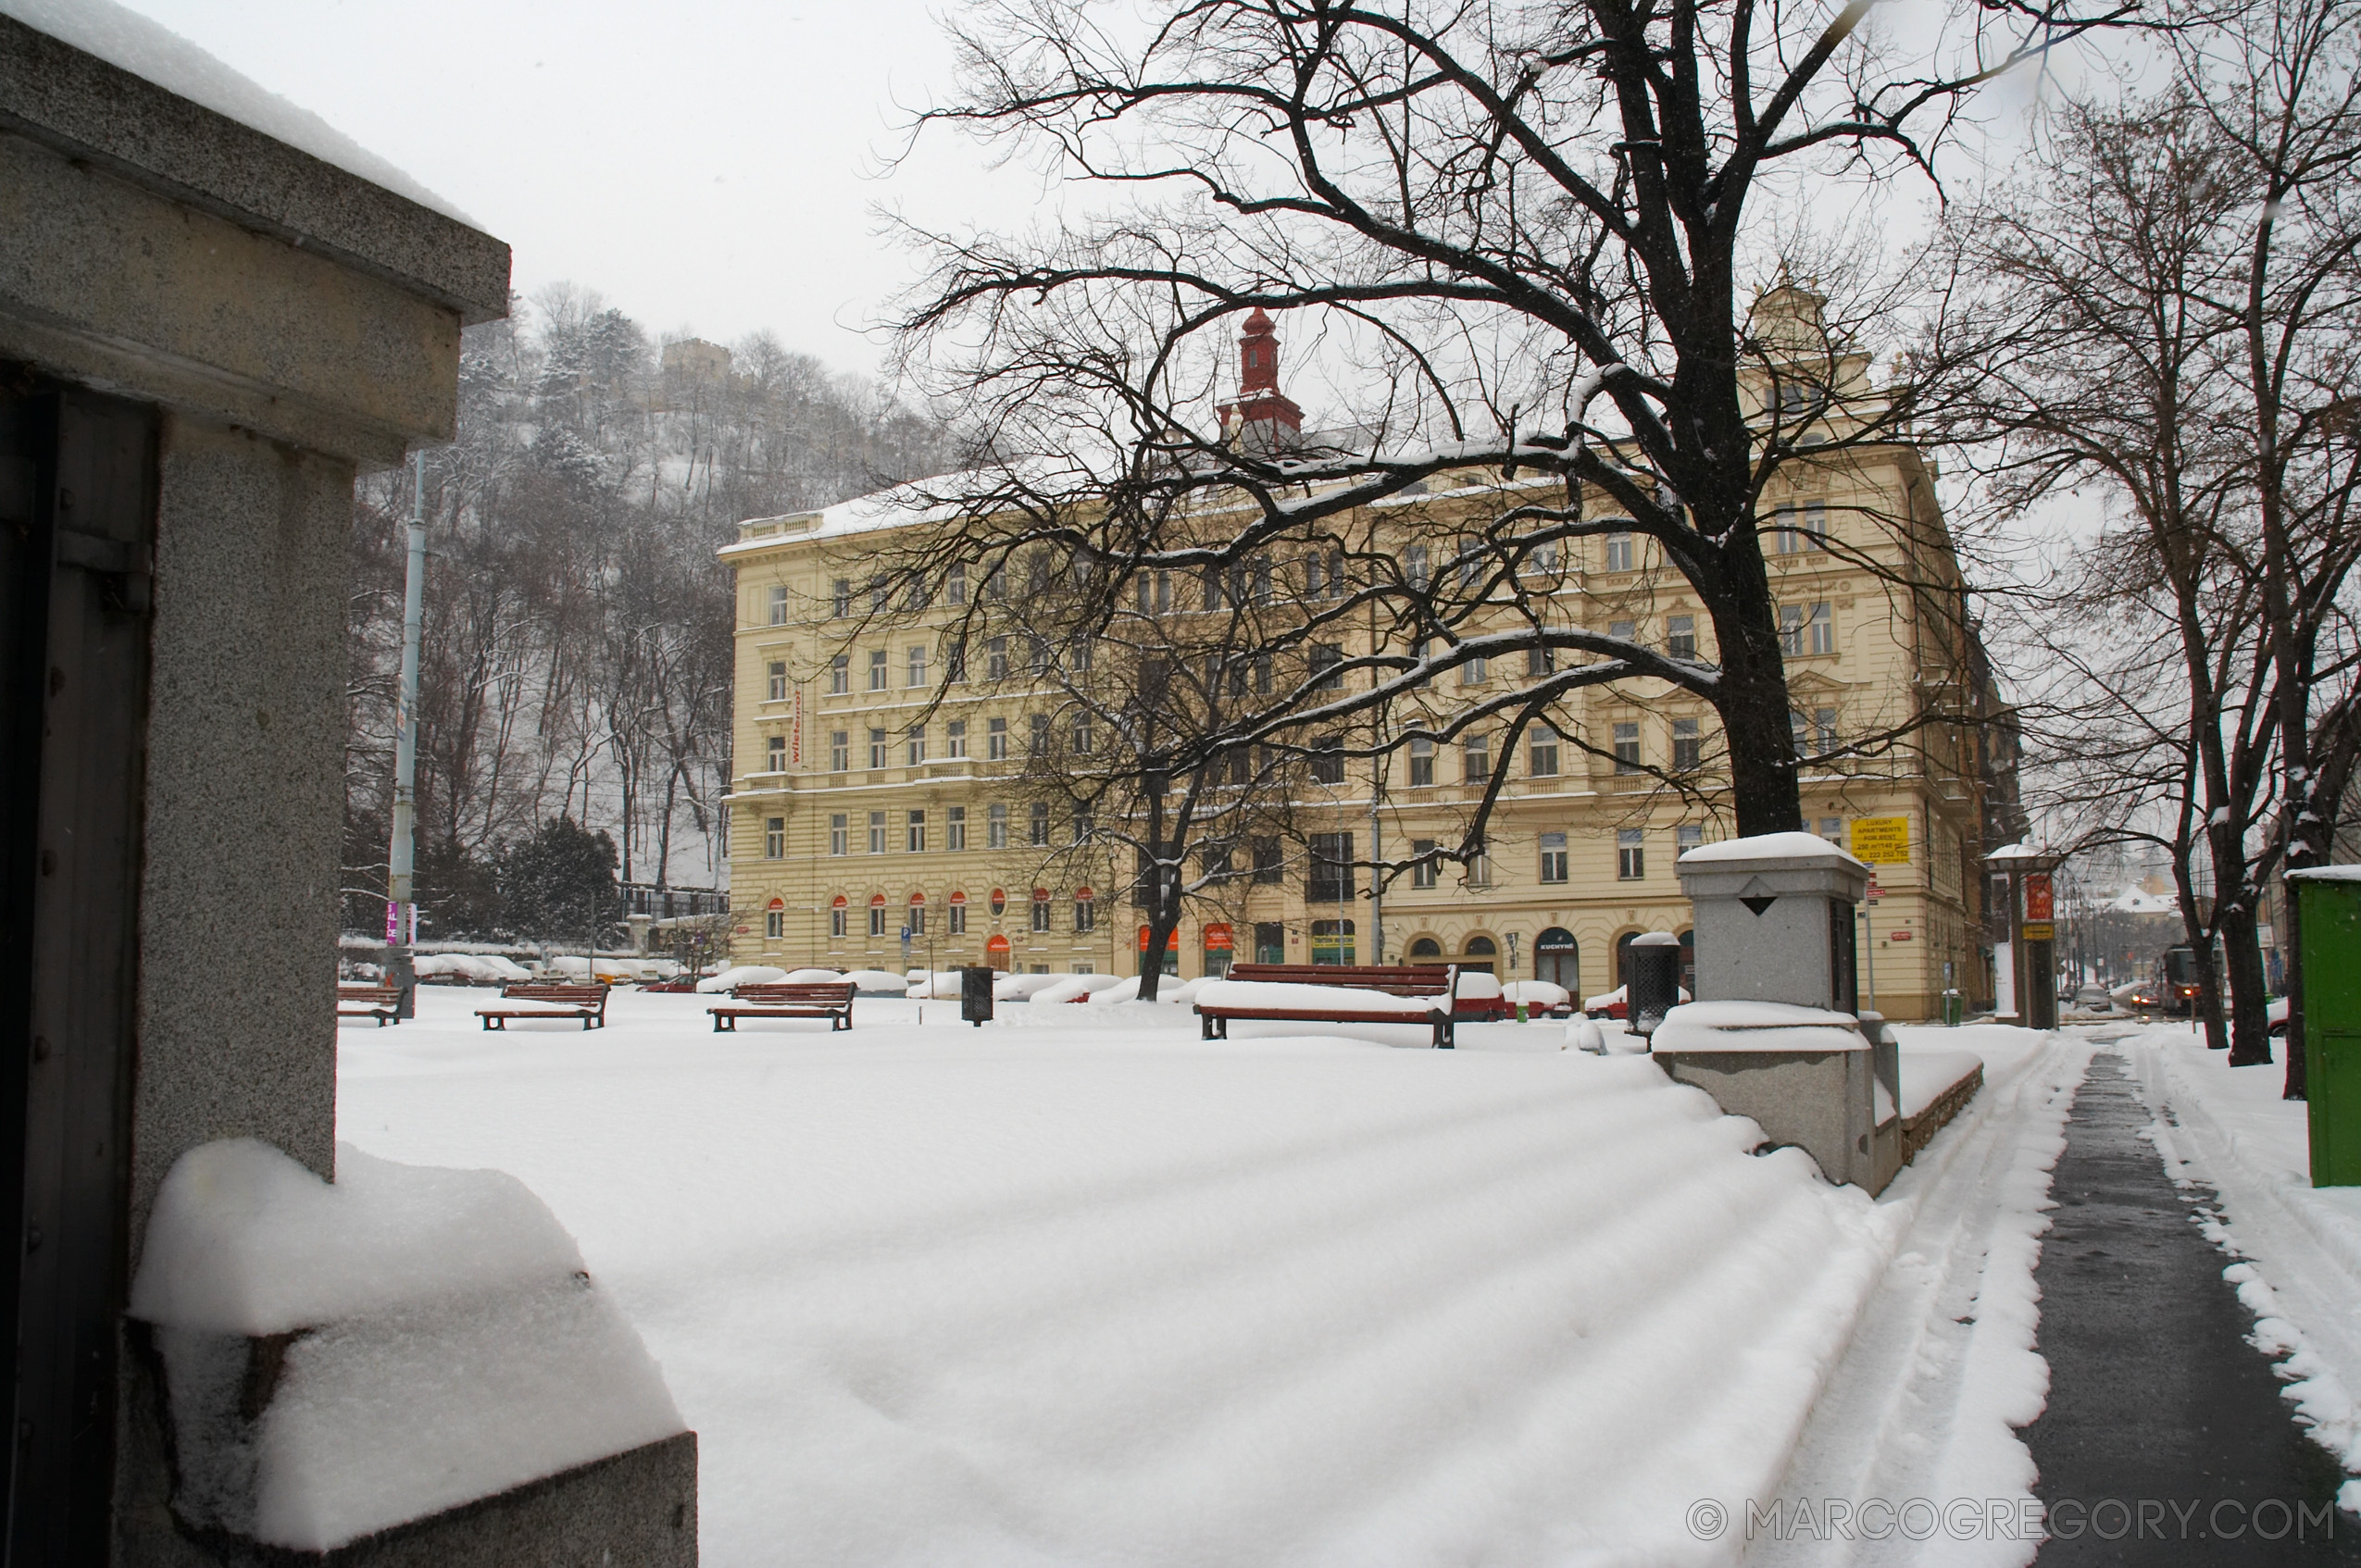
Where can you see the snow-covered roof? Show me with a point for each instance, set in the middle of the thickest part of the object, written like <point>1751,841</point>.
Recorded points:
<point>154,52</point>
<point>1766,846</point>
<point>2326,873</point>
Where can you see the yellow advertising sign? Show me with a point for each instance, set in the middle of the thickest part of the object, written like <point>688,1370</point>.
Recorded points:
<point>1881,841</point>
<point>2038,931</point>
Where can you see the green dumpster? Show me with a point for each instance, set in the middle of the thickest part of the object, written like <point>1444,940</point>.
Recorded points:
<point>1953,1009</point>
<point>2327,906</point>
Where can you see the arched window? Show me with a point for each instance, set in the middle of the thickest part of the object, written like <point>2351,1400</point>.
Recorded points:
<point>1481,955</point>
<point>1425,950</point>
<point>836,915</point>
<point>876,914</point>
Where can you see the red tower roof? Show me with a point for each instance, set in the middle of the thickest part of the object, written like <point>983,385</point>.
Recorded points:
<point>1262,411</point>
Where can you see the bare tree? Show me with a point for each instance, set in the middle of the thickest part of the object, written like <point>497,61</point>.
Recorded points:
<point>1519,234</point>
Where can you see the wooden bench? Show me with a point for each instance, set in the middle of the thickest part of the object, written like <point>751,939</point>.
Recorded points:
<point>586,1003</point>
<point>1438,980</point>
<point>381,1002</point>
<point>831,999</point>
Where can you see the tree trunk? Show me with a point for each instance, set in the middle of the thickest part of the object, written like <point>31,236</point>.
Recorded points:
<point>1754,706</point>
<point>2250,1044</point>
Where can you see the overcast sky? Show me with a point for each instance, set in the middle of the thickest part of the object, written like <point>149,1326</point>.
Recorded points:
<point>708,164</point>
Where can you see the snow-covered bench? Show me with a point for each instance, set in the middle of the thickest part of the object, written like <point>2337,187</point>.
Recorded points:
<point>808,999</point>
<point>586,1003</point>
<point>1333,993</point>
<point>381,1002</point>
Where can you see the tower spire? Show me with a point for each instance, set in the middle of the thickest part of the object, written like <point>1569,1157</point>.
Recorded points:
<point>1264,419</point>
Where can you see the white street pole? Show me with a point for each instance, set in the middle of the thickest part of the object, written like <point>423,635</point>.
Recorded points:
<point>400,914</point>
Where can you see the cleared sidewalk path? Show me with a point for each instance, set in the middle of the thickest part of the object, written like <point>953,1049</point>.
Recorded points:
<point>2164,1439</point>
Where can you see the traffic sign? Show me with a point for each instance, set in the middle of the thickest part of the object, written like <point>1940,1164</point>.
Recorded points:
<point>2038,931</point>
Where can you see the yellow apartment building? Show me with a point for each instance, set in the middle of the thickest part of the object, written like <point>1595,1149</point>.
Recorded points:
<point>874,798</point>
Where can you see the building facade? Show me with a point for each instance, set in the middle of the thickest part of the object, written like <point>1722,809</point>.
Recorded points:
<point>873,797</point>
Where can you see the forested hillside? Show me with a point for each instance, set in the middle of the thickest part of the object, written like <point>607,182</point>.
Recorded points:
<point>576,654</point>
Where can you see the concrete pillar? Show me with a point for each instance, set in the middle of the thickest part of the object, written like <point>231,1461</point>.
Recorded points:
<point>204,334</point>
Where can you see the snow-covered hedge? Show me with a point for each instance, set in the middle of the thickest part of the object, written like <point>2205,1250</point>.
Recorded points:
<point>742,975</point>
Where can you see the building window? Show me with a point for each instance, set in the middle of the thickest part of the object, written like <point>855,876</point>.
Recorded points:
<point>1328,877</point>
<point>1327,673</point>
<point>877,832</point>
<point>1824,729</point>
<point>776,688</point>
<point>1680,636</point>
<point>1268,867</point>
<point>778,604</point>
<point>1156,592</point>
<point>1086,915</point>
<point>1328,761</point>
<point>996,740</point>
<point>1619,554</point>
<point>836,921</point>
<point>1823,639</point>
<point>1039,740</point>
<point>1627,748</point>
<point>876,669</point>
<point>954,584</point>
<point>876,920</point>
<point>955,737</point>
<point>996,827</point>
<point>954,830</point>
<point>996,658</point>
<point>1424,862</point>
<point>1476,760</point>
<point>1083,825</point>
<point>956,924</point>
<point>1791,630</point>
<point>840,675</point>
<point>1414,569</point>
<point>915,920</point>
<point>1422,761</point>
<point>876,748</point>
<point>1786,538</point>
<point>840,605</point>
<point>1263,676</point>
<point>1540,659</point>
<point>839,751</point>
<point>774,924</point>
<point>1688,835</point>
<point>1624,631</point>
<point>839,836</point>
<point>1039,825</point>
<point>1083,738</point>
<point>1040,910</point>
<point>877,595</point>
<point>1543,758</point>
<point>917,658</point>
<point>1474,672</point>
<point>1630,854</point>
<point>1553,857</point>
<point>775,754</point>
<point>1688,746</point>
<point>774,837</point>
<point>1832,829</point>
<point>955,661</point>
<point>1037,657</point>
<point>917,844</point>
<point>915,739</point>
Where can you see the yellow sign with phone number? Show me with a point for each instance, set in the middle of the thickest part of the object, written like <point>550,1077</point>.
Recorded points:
<point>1881,841</point>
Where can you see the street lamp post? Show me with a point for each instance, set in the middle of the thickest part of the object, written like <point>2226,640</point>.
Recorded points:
<point>401,910</point>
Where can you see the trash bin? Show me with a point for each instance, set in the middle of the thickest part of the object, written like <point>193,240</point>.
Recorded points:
<point>975,993</point>
<point>1652,980</point>
<point>1954,1008</point>
<point>2327,906</point>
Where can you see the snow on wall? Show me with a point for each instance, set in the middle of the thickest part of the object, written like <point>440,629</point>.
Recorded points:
<point>445,1343</point>
<point>154,52</point>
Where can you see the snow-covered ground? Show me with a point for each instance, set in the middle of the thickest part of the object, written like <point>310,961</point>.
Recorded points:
<point>2298,1248</point>
<point>1080,1288</point>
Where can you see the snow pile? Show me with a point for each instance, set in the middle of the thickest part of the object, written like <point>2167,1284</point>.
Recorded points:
<point>151,50</point>
<point>1020,987</point>
<point>1476,986</point>
<point>941,985</point>
<point>1313,999</point>
<point>748,975</point>
<point>876,982</point>
<point>478,969</point>
<point>1090,1290</point>
<point>1758,1026</point>
<point>1082,988</point>
<point>812,977</point>
<point>1535,993</point>
<point>446,1344</point>
<point>1762,846</point>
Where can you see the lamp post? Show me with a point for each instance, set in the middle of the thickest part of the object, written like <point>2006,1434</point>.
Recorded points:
<point>401,910</point>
